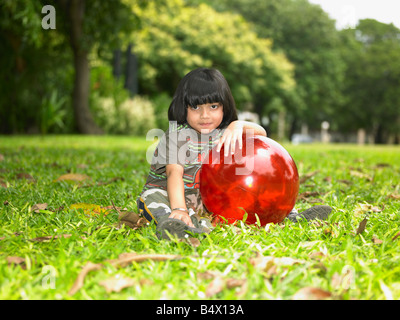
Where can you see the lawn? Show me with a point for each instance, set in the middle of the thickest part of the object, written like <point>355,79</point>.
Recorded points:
<point>66,250</point>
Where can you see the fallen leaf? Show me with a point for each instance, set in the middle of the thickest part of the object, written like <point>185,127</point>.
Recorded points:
<point>127,258</point>
<point>396,236</point>
<point>81,277</point>
<point>90,209</point>
<point>382,165</point>
<point>361,175</point>
<point>376,240</point>
<point>233,283</point>
<point>344,280</point>
<point>16,261</point>
<point>361,226</point>
<point>215,286</point>
<point>366,207</point>
<point>40,206</point>
<point>1,157</point>
<point>194,242</point>
<point>394,196</point>
<point>348,182</point>
<point>48,238</point>
<point>129,218</point>
<point>123,260</point>
<point>24,175</point>
<point>73,177</point>
<point>308,176</point>
<point>3,183</point>
<point>317,255</point>
<point>307,194</point>
<point>117,283</point>
<point>208,275</point>
<point>269,264</point>
<point>311,293</point>
<point>110,181</point>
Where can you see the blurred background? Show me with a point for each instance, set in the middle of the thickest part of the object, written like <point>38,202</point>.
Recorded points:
<point>112,66</point>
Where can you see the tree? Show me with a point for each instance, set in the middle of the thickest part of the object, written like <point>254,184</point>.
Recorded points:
<point>35,62</point>
<point>176,38</point>
<point>372,55</point>
<point>307,36</point>
<point>88,23</point>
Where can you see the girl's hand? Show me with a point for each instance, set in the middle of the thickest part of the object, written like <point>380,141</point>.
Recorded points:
<point>183,216</point>
<point>233,133</point>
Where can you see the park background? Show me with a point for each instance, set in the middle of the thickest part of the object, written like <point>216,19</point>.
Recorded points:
<point>78,94</point>
<point>111,67</point>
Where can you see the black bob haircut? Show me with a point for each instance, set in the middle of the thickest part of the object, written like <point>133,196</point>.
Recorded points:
<point>201,86</point>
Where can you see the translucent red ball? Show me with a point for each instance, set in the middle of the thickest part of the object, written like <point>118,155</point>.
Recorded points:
<point>260,179</point>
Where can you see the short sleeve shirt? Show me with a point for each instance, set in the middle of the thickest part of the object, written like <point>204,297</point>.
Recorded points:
<point>182,145</point>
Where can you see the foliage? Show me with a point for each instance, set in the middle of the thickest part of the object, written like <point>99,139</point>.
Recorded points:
<point>278,56</point>
<point>186,37</point>
<point>372,55</point>
<point>133,116</point>
<point>33,66</point>
<point>308,38</point>
<point>43,249</point>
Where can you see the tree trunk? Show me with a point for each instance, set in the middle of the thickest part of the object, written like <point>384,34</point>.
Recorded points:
<point>80,99</point>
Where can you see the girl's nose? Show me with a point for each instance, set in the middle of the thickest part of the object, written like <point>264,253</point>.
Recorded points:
<point>204,113</point>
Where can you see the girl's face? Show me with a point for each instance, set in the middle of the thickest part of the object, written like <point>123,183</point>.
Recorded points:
<point>204,118</point>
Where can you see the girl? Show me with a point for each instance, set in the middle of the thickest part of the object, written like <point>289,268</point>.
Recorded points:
<point>202,114</point>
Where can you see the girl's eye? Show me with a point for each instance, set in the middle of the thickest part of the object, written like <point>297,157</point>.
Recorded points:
<point>214,106</point>
<point>194,107</point>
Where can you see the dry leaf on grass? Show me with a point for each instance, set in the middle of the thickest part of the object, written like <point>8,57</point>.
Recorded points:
<point>126,258</point>
<point>376,240</point>
<point>81,277</point>
<point>396,236</point>
<point>194,242</point>
<point>25,176</point>
<point>117,283</point>
<point>218,283</point>
<point>311,293</point>
<point>269,264</point>
<point>395,196</point>
<point>308,194</point>
<point>39,206</point>
<point>48,238</point>
<point>363,208</point>
<point>73,177</point>
<point>215,286</point>
<point>361,226</point>
<point>307,176</point>
<point>3,183</point>
<point>90,209</point>
<point>361,175</point>
<point>208,275</point>
<point>13,260</point>
<point>344,280</point>
<point>123,260</point>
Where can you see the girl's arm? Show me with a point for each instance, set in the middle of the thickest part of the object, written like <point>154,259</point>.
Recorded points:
<point>233,133</point>
<point>176,193</point>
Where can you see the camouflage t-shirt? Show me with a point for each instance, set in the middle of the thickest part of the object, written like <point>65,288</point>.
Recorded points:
<point>182,145</point>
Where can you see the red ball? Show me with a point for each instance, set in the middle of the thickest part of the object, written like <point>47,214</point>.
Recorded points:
<point>261,179</point>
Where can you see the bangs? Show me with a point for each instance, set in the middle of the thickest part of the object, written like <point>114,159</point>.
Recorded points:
<point>202,91</point>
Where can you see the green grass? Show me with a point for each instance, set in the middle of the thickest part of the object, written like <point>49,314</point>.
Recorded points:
<point>357,182</point>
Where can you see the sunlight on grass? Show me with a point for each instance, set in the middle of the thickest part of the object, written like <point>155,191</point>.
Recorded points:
<point>42,251</point>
